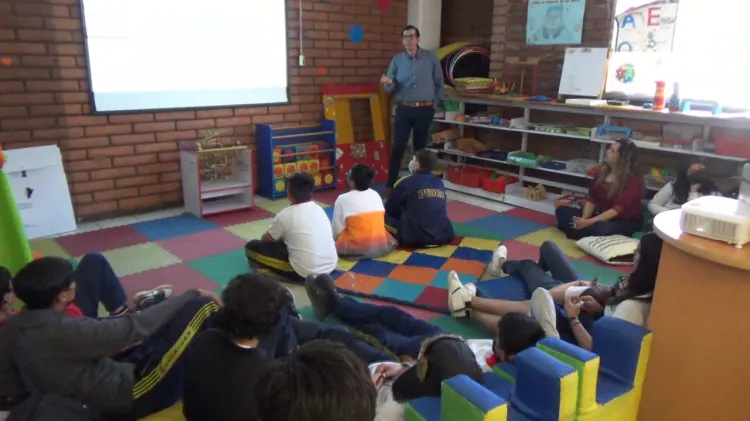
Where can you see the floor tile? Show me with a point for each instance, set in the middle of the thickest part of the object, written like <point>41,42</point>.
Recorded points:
<point>405,292</point>
<point>221,268</point>
<point>464,212</point>
<point>273,206</point>
<point>553,234</point>
<point>533,216</point>
<point>479,243</point>
<point>118,222</point>
<point>139,258</point>
<point>101,240</point>
<point>507,226</point>
<point>327,196</point>
<point>413,275</point>
<point>181,276</point>
<point>202,244</point>
<point>250,230</point>
<point>160,214</point>
<point>358,283</point>
<point>589,270</point>
<point>301,299</point>
<point>396,257</point>
<point>48,247</point>
<point>241,217</point>
<point>488,204</point>
<point>441,279</point>
<point>518,250</point>
<point>473,231</point>
<point>175,226</point>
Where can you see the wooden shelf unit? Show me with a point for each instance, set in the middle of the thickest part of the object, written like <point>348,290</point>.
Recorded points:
<point>514,195</point>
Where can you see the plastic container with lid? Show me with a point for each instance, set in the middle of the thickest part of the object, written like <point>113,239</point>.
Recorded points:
<point>580,165</point>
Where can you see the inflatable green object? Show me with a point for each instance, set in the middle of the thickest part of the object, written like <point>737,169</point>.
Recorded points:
<point>15,252</point>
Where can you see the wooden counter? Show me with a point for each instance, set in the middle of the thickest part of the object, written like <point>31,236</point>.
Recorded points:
<point>700,356</point>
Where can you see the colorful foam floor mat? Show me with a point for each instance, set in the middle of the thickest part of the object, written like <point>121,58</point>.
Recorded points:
<point>171,247</point>
<point>416,277</point>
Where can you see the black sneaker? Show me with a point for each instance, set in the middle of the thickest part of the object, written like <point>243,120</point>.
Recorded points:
<point>322,294</point>
<point>292,303</point>
<point>146,299</point>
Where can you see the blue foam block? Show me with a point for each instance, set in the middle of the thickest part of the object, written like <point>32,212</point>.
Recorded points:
<point>428,408</point>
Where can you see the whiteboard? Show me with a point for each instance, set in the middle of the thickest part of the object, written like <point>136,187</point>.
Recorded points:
<point>584,72</point>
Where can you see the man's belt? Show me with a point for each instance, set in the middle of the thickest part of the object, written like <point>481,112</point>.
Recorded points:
<point>416,104</point>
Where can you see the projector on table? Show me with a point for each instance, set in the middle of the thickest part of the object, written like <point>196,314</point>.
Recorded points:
<point>717,218</point>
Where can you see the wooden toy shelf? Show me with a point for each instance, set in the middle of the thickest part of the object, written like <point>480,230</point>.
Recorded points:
<point>217,180</point>
<point>284,150</point>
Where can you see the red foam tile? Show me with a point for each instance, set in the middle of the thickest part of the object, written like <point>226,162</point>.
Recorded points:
<point>417,313</point>
<point>241,217</point>
<point>328,196</point>
<point>533,216</point>
<point>101,240</point>
<point>461,212</point>
<point>518,250</point>
<point>182,277</point>
<point>433,297</point>
<point>202,244</point>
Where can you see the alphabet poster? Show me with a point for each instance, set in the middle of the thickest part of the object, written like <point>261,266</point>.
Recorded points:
<point>647,28</point>
<point>554,22</point>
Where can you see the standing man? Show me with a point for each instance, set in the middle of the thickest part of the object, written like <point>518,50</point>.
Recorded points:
<point>416,80</point>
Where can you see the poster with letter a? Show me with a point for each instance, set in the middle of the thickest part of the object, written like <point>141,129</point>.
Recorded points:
<point>555,22</point>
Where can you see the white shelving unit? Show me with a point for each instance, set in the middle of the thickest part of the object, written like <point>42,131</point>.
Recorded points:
<point>203,198</point>
<point>514,193</point>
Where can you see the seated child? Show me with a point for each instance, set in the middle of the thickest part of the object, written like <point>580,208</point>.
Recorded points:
<point>413,339</point>
<point>359,217</point>
<point>299,241</point>
<point>127,366</point>
<point>416,212</point>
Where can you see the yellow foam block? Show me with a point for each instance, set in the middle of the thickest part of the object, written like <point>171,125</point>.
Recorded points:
<point>556,236</point>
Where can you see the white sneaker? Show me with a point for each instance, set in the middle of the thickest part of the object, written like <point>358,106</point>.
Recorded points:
<point>498,258</point>
<point>458,295</point>
<point>543,310</point>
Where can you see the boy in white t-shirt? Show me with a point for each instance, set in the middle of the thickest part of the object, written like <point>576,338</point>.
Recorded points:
<point>299,241</point>
<point>359,217</point>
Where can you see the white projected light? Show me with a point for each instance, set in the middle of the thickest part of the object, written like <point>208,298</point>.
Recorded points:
<point>166,54</point>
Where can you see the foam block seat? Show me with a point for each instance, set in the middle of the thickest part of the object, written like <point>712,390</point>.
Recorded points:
<point>611,377</point>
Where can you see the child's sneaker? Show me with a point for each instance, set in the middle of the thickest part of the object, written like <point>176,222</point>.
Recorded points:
<point>146,299</point>
<point>293,303</point>
<point>458,296</point>
<point>498,259</point>
<point>543,310</point>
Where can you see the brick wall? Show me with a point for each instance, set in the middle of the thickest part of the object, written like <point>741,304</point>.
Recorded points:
<point>129,162</point>
<point>466,20</point>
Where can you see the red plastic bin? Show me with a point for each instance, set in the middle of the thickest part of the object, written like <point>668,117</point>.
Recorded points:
<point>733,146</point>
<point>498,184</point>
<point>466,176</point>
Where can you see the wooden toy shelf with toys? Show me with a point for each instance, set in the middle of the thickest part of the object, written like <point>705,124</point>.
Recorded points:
<point>284,150</point>
<point>216,176</point>
<point>716,137</point>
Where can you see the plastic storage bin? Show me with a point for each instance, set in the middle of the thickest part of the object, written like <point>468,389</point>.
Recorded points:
<point>497,184</point>
<point>733,146</point>
<point>580,165</point>
<point>466,176</point>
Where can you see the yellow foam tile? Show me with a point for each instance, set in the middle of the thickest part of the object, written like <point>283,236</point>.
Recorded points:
<point>173,413</point>
<point>397,257</point>
<point>442,251</point>
<point>556,236</point>
<point>48,247</point>
<point>345,265</point>
<point>479,243</point>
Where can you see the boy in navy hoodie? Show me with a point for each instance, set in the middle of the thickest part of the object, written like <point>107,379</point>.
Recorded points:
<point>416,211</point>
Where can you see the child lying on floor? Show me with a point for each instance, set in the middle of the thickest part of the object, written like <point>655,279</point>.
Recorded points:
<point>82,358</point>
<point>359,217</point>
<point>406,336</point>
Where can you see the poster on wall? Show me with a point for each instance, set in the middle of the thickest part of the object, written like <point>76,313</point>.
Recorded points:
<point>555,22</point>
<point>648,28</point>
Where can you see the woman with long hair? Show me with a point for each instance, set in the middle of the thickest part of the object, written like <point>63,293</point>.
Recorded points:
<point>564,304</point>
<point>692,182</point>
<point>613,205</point>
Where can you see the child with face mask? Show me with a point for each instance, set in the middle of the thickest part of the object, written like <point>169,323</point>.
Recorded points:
<point>416,212</point>
<point>691,183</point>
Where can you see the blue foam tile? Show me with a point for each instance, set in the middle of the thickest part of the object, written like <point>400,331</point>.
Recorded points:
<point>373,268</point>
<point>506,226</point>
<point>441,279</point>
<point>425,261</point>
<point>468,253</point>
<point>404,291</point>
<point>329,212</point>
<point>176,226</point>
